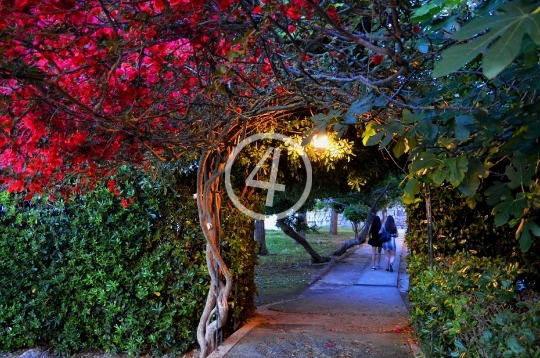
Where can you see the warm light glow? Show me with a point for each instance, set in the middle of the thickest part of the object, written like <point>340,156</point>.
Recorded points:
<point>320,141</point>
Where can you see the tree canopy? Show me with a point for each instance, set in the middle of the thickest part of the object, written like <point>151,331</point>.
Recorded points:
<point>87,85</point>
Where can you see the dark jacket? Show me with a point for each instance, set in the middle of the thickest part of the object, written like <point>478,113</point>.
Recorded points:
<point>374,234</point>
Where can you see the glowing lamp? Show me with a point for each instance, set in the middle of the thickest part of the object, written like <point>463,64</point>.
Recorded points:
<point>320,141</point>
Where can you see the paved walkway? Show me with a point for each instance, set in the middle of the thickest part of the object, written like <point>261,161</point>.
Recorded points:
<point>352,311</point>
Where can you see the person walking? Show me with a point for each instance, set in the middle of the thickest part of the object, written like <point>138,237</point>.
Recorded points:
<point>376,245</point>
<point>390,245</point>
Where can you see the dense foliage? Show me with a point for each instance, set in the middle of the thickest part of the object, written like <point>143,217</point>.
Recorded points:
<point>472,309</point>
<point>123,272</point>
<point>462,226</point>
<point>481,297</point>
<point>474,114</point>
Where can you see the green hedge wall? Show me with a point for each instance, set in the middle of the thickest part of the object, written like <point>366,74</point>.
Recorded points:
<point>471,307</point>
<point>471,303</point>
<point>123,273</point>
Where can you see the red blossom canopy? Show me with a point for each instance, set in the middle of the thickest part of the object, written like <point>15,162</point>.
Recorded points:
<point>88,85</point>
<point>84,83</point>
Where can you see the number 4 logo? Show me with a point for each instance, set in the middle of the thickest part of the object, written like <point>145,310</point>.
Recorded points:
<point>270,185</point>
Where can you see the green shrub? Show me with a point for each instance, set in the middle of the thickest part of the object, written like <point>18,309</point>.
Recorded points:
<point>468,304</point>
<point>123,273</point>
<point>458,226</point>
<point>513,333</point>
<point>89,273</point>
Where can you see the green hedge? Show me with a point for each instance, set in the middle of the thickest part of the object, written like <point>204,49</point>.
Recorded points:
<point>90,274</point>
<point>471,307</point>
<point>471,303</point>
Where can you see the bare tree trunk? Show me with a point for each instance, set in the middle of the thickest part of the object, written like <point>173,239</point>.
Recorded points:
<point>260,237</point>
<point>363,235</point>
<point>355,226</point>
<point>289,231</point>
<point>303,218</point>
<point>333,223</point>
<point>216,309</point>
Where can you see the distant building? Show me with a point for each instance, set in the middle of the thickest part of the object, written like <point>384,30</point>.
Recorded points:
<point>321,218</point>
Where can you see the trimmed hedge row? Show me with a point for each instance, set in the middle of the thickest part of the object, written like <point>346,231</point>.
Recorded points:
<point>472,308</point>
<point>480,298</point>
<point>121,273</point>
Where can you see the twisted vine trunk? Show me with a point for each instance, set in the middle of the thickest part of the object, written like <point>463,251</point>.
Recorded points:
<point>211,167</point>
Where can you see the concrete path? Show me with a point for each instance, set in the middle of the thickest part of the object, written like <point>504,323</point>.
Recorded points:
<point>352,311</point>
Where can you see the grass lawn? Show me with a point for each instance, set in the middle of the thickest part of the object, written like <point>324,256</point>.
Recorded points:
<point>287,270</point>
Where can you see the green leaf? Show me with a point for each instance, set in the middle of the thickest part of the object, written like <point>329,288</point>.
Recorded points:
<point>400,147</point>
<point>520,172</point>
<point>510,206</point>
<point>471,181</point>
<point>533,227</point>
<point>332,114</point>
<point>497,192</point>
<point>456,170</point>
<point>359,107</point>
<point>380,101</point>
<point>393,127</point>
<point>386,140</point>
<point>525,239</point>
<point>425,11</point>
<point>341,130</point>
<point>439,176</point>
<point>460,345</point>
<point>514,345</point>
<point>507,30</point>
<point>411,189</point>
<point>530,53</point>
<point>502,52</point>
<point>428,130</point>
<point>462,133</point>
<point>425,160</point>
<point>477,26</point>
<point>410,118</point>
<point>369,131</point>
<point>319,117</point>
<point>373,139</point>
<point>423,46</point>
<point>458,56</point>
<point>465,120</point>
